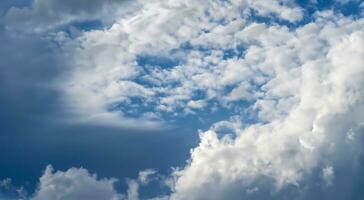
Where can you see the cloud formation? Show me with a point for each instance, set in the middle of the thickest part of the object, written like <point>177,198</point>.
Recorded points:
<point>74,184</point>
<point>302,85</point>
<point>293,90</point>
<point>307,122</point>
<point>78,183</point>
<point>114,70</point>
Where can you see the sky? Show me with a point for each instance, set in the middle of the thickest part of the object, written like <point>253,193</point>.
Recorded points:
<point>181,99</point>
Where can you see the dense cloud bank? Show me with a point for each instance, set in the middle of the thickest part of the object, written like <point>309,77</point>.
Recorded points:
<point>294,91</point>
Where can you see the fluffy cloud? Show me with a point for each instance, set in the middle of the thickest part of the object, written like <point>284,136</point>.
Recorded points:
<point>74,184</point>
<point>203,43</point>
<point>78,183</point>
<point>310,130</point>
<point>212,59</point>
<point>303,85</point>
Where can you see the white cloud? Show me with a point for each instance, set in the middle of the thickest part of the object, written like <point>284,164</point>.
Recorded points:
<point>308,131</point>
<point>74,184</point>
<point>304,86</point>
<point>266,7</point>
<point>133,193</point>
<point>143,179</point>
<point>145,176</point>
<point>196,104</point>
<point>79,184</point>
<point>106,59</point>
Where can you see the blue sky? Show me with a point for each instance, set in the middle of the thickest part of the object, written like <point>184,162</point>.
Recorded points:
<point>181,99</point>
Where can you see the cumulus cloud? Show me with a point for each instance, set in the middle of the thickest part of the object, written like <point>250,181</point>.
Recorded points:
<point>308,132</point>
<point>303,85</point>
<point>205,38</point>
<point>76,184</point>
<point>221,59</point>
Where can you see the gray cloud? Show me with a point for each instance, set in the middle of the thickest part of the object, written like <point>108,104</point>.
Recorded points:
<point>45,15</point>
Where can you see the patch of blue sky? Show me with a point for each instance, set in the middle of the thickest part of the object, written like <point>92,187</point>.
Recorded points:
<point>237,52</point>
<point>348,8</point>
<point>202,119</point>
<point>188,46</point>
<point>87,25</point>
<point>162,61</point>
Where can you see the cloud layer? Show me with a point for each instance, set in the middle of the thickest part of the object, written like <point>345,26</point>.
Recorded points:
<point>195,67</point>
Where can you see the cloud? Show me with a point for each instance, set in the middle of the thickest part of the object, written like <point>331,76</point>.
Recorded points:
<point>206,41</point>
<point>309,121</point>
<point>5,183</point>
<point>328,175</point>
<point>78,183</point>
<point>45,15</point>
<point>133,185</point>
<point>302,84</point>
<point>287,12</point>
<point>74,184</point>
